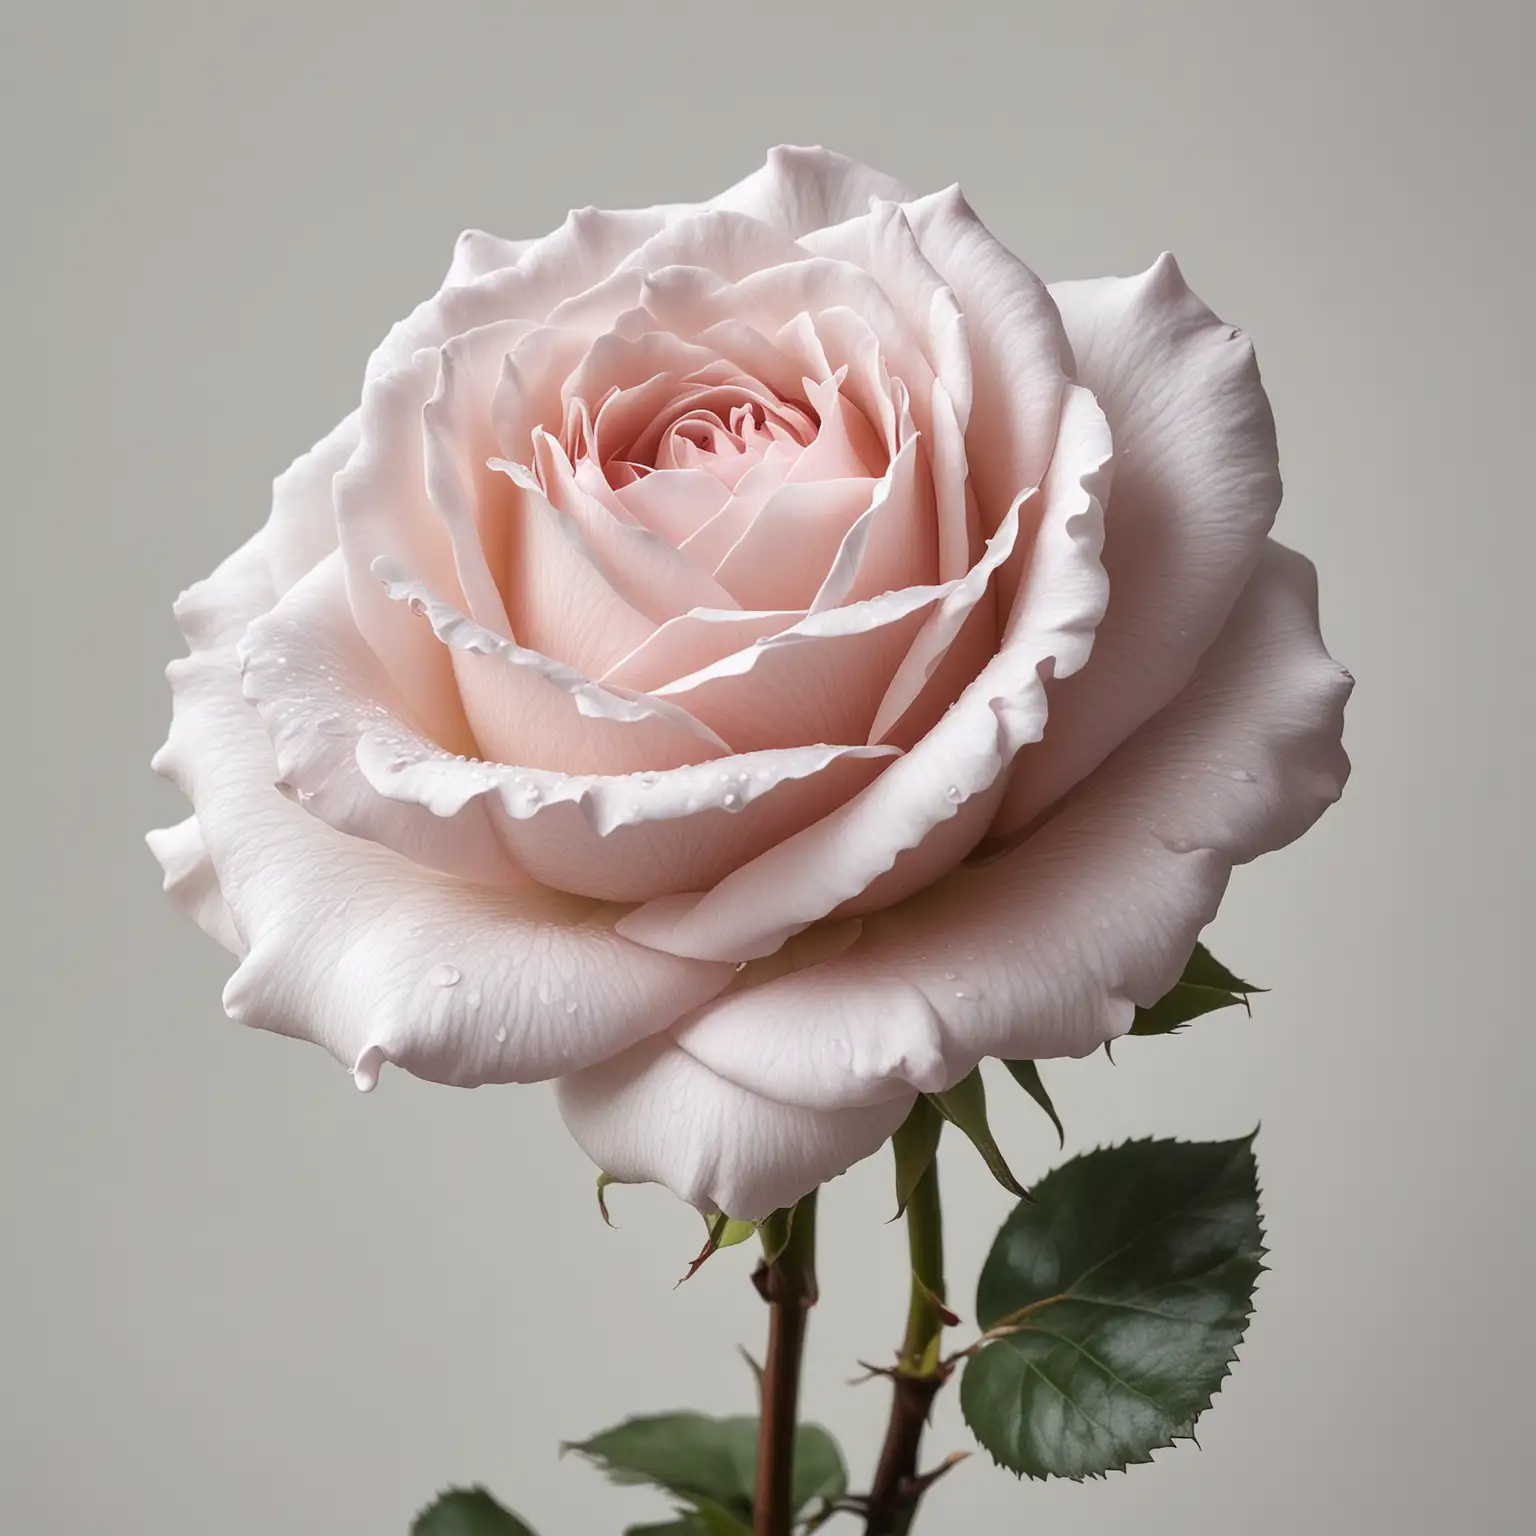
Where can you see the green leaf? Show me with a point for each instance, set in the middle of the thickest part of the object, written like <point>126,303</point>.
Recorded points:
<point>712,1462</point>
<point>1027,1075</point>
<point>467,1512</point>
<point>916,1144</point>
<point>709,1521</point>
<point>1122,1294</point>
<point>965,1107</point>
<point>1205,986</point>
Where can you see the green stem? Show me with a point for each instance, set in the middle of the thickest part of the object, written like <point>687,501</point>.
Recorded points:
<point>893,1500</point>
<point>787,1282</point>
<point>925,1242</point>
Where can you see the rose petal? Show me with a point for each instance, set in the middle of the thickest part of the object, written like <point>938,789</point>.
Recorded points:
<point>192,883</point>
<point>346,753</point>
<point>1020,360</point>
<point>780,560</point>
<point>656,1114</point>
<point>319,687</point>
<point>732,243</point>
<point>382,513</point>
<point>477,254</point>
<point>693,641</point>
<point>819,680</point>
<point>458,438</point>
<point>1048,950</point>
<point>882,243</point>
<point>626,837</point>
<point>530,709</point>
<point>893,542</point>
<point>301,528</point>
<point>715,539</point>
<point>930,806</point>
<point>641,567</point>
<point>362,951</point>
<point>584,251</point>
<point>1197,484</point>
<point>676,504</point>
<point>560,599</point>
<point>801,189</point>
<point>689,300</point>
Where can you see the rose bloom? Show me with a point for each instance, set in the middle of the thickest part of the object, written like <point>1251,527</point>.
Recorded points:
<point>750,661</point>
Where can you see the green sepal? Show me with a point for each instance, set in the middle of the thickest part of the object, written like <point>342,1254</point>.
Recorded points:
<point>1205,986</point>
<point>915,1145</point>
<point>1116,1304</point>
<point>467,1512</point>
<point>965,1107</point>
<point>1027,1075</point>
<point>711,1464</point>
<point>720,1231</point>
<point>604,1180</point>
<point>775,1229</point>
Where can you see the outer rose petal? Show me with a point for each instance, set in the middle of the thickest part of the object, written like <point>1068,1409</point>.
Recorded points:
<point>581,253</point>
<point>192,882</point>
<point>657,1114</point>
<point>301,528</point>
<point>801,189</point>
<point>1020,360</point>
<point>372,956</point>
<point>1197,485</point>
<point>477,254</point>
<point>1048,950</point>
<point>318,685</point>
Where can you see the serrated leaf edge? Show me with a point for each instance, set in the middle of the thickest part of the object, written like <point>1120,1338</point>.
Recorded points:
<point>1226,1365</point>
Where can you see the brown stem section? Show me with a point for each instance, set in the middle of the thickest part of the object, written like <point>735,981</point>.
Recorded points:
<point>788,1284</point>
<point>893,1499</point>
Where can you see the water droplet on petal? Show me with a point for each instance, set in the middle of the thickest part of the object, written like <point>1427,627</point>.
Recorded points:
<point>731,801</point>
<point>1242,776</point>
<point>501,1034</point>
<point>967,993</point>
<point>572,1006</point>
<point>949,975</point>
<point>953,794</point>
<point>445,975</point>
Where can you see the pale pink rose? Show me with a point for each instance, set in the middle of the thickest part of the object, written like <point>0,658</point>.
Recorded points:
<point>751,661</point>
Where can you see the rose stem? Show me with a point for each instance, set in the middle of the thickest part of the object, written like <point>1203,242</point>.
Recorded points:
<point>788,1285</point>
<point>892,1504</point>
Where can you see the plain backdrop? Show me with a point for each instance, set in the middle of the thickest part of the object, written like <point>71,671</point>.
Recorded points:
<point>236,1296</point>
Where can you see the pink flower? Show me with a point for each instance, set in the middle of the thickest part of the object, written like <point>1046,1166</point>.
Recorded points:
<point>751,661</point>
